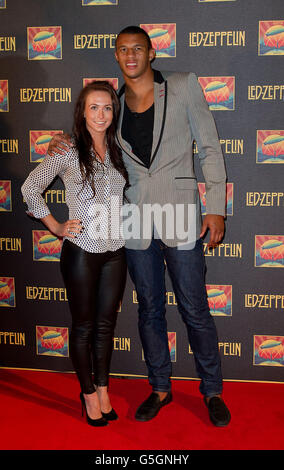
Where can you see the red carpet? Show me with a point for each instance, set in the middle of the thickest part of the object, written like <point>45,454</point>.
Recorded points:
<point>41,410</point>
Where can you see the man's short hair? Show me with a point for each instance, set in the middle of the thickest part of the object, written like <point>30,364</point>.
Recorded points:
<point>135,30</point>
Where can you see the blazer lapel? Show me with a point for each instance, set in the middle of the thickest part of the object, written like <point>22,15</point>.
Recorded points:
<point>160,108</point>
<point>160,101</point>
<point>126,147</point>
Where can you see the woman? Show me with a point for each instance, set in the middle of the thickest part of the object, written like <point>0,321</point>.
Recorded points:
<point>92,258</point>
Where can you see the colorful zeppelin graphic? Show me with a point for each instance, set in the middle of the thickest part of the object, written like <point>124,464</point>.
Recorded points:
<point>4,97</point>
<point>2,3</point>
<point>112,81</point>
<point>269,251</point>
<point>5,196</point>
<point>39,141</point>
<point>44,43</point>
<point>271,37</point>
<point>172,339</point>
<point>86,3</point>
<point>268,350</point>
<point>229,198</point>
<point>46,246</point>
<point>219,300</point>
<point>163,38</point>
<point>7,292</point>
<point>52,341</point>
<point>219,92</point>
<point>270,146</point>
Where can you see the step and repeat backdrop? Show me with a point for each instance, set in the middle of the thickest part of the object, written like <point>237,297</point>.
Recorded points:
<point>48,51</point>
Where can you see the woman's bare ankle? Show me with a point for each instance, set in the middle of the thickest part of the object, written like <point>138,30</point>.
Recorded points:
<point>93,405</point>
<point>104,399</point>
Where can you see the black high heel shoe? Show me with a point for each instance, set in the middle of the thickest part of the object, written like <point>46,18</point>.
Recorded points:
<point>93,422</point>
<point>110,416</point>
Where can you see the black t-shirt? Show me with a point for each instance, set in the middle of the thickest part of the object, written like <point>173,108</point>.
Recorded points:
<point>137,130</point>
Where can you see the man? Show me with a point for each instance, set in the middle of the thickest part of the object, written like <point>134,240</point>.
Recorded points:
<point>161,115</point>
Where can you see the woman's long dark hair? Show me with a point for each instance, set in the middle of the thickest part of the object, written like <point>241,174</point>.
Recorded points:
<point>83,139</point>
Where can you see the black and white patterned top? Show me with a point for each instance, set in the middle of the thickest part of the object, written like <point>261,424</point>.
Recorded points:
<point>100,214</point>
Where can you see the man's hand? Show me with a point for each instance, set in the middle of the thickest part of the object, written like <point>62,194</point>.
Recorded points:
<point>60,143</point>
<point>214,223</point>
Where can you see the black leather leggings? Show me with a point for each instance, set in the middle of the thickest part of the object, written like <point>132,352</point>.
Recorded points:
<point>95,283</point>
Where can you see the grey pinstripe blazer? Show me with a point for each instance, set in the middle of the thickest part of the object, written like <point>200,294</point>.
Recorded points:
<point>181,116</point>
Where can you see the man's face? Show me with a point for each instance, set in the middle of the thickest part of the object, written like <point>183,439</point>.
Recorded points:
<point>133,55</point>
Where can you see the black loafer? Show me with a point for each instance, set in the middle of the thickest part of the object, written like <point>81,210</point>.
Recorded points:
<point>218,411</point>
<point>151,406</point>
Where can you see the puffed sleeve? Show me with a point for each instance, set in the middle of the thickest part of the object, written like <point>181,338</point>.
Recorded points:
<point>38,180</point>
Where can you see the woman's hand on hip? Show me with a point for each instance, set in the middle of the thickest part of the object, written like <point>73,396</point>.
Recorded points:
<point>69,229</point>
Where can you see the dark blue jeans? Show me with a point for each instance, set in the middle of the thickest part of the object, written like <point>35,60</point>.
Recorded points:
<point>186,269</point>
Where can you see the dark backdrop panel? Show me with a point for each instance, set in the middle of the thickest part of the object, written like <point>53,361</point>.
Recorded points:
<point>237,45</point>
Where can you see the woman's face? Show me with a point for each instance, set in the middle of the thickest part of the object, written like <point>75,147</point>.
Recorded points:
<point>98,112</point>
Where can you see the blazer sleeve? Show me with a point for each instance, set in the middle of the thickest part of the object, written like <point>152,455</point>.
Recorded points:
<point>209,149</point>
<point>38,180</point>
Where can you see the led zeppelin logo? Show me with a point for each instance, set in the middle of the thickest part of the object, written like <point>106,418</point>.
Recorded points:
<point>219,92</point>
<point>163,38</point>
<point>7,292</point>
<point>229,198</point>
<point>2,3</point>
<point>39,141</point>
<point>46,246</point>
<point>271,38</point>
<point>52,341</point>
<point>86,3</point>
<point>219,300</point>
<point>270,146</point>
<point>4,98</point>
<point>112,81</point>
<point>269,251</point>
<point>268,350</point>
<point>44,43</point>
<point>5,196</point>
